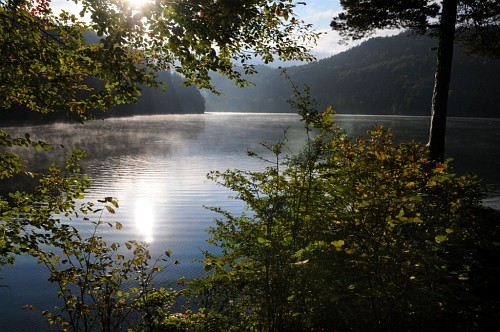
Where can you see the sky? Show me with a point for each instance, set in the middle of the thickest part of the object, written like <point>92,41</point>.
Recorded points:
<point>320,14</point>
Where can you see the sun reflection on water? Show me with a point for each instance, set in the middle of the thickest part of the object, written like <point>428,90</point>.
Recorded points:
<point>144,218</point>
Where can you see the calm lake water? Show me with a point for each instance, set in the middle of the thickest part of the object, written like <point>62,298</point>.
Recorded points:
<point>156,167</point>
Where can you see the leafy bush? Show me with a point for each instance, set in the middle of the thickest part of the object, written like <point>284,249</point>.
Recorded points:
<point>105,287</point>
<point>30,218</point>
<point>349,234</point>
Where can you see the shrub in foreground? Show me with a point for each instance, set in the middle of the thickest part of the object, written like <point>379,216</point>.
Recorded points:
<point>349,234</point>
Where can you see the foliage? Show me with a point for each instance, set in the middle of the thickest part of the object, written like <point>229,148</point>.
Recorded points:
<point>107,287</point>
<point>178,98</point>
<point>349,234</point>
<point>47,65</point>
<point>476,24</point>
<point>483,17</point>
<point>103,287</point>
<point>31,218</point>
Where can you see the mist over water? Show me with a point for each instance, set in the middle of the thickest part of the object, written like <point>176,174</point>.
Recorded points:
<point>156,167</point>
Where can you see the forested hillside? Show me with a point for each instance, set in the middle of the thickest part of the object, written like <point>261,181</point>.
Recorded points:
<point>177,99</point>
<point>386,75</point>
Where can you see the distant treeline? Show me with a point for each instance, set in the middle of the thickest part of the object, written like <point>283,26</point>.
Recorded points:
<point>386,75</point>
<point>178,99</point>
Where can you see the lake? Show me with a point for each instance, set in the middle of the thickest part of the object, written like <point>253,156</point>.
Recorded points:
<point>156,167</point>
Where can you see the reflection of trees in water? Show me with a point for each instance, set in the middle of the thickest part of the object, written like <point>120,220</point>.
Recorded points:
<point>102,139</point>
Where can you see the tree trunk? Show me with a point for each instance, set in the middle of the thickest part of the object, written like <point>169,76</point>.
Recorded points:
<point>442,80</point>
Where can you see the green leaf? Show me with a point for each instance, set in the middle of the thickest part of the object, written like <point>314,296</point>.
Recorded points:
<point>338,244</point>
<point>416,198</point>
<point>440,238</point>
<point>264,241</point>
<point>110,209</point>
<point>365,203</point>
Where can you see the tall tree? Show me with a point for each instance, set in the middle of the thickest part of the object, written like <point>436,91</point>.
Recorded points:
<point>475,22</point>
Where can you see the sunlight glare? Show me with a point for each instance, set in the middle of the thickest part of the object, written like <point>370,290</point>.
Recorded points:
<point>137,4</point>
<point>144,218</point>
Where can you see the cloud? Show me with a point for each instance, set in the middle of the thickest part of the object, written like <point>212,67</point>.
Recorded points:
<point>320,18</point>
<point>331,43</point>
<point>320,13</point>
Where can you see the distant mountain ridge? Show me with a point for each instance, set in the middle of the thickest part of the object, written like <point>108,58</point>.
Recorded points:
<point>385,75</point>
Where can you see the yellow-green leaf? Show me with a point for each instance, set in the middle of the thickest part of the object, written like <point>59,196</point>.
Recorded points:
<point>110,209</point>
<point>441,238</point>
<point>338,244</point>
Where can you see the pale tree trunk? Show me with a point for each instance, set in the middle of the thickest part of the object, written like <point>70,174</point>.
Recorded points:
<point>442,81</point>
